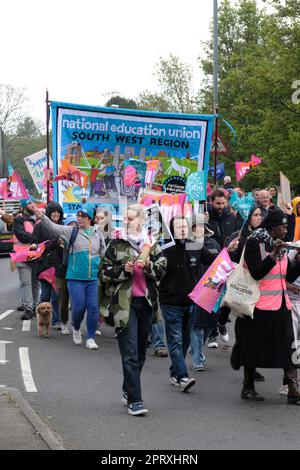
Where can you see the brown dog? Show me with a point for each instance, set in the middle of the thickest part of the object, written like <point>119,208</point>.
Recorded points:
<point>44,317</point>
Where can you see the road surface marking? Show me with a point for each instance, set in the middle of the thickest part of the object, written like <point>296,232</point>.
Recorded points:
<point>5,314</point>
<point>3,351</point>
<point>26,325</point>
<point>26,370</point>
<point>1,386</point>
<point>6,328</point>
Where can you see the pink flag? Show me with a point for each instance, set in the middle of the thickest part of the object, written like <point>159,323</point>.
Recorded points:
<point>23,253</point>
<point>241,169</point>
<point>255,160</point>
<point>3,188</point>
<point>209,191</point>
<point>16,188</point>
<point>49,276</point>
<point>208,290</point>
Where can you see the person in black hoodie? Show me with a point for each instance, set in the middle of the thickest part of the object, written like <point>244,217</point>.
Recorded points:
<point>183,272</point>
<point>40,234</point>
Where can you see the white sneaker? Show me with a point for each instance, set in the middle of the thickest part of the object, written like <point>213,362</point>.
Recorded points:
<point>64,329</point>
<point>77,337</point>
<point>284,390</point>
<point>212,343</point>
<point>174,381</point>
<point>185,384</point>
<point>223,333</point>
<point>98,333</point>
<point>90,344</point>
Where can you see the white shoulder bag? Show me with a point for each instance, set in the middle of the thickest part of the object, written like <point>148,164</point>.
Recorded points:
<point>242,291</point>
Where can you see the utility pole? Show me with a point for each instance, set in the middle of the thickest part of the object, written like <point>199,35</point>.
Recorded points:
<point>216,88</point>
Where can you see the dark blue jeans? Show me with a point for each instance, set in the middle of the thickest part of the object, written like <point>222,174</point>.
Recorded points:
<point>177,325</point>
<point>133,346</point>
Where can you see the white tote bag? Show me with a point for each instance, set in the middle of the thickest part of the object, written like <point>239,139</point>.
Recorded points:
<point>242,291</point>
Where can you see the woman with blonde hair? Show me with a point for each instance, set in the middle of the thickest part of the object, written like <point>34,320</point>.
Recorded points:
<point>132,269</point>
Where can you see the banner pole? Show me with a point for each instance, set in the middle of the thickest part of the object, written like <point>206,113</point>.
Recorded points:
<point>216,145</point>
<point>48,145</point>
<point>215,83</point>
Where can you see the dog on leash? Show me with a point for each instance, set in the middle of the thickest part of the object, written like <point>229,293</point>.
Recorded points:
<point>44,319</point>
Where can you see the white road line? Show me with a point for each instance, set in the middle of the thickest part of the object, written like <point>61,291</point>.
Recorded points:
<point>26,370</point>
<point>5,314</point>
<point>3,351</point>
<point>26,325</point>
<point>2,386</point>
<point>6,328</point>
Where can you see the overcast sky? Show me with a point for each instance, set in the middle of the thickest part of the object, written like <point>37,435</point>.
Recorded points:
<point>82,50</point>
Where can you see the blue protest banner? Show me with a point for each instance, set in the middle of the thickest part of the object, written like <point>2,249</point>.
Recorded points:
<point>220,171</point>
<point>99,140</point>
<point>196,186</point>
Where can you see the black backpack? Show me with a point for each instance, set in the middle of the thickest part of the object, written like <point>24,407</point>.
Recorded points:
<point>61,270</point>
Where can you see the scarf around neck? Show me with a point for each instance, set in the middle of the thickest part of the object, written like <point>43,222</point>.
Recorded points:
<point>136,241</point>
<point>263,236</point>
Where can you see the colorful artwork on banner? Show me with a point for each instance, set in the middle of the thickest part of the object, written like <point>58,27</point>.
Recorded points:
<point>174,185</point>
<point>98,141</point>
<point>170,204</point>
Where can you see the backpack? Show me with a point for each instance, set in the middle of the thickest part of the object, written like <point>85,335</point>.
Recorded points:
<point>63,265</point>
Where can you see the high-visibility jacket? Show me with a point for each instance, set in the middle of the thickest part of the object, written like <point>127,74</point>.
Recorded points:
<point>273,286</point>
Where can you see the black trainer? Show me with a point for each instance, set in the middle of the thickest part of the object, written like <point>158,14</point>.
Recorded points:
<point>251,394</point>
<point>27,315</point>
<point>258,377</point>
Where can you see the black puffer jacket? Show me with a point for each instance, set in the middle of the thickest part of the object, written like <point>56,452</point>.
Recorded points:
<point>41,234</point>
<point>184,269</point>
<point>223,225</point>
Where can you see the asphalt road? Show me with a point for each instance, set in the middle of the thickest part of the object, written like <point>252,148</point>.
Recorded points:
<point>79,394</point>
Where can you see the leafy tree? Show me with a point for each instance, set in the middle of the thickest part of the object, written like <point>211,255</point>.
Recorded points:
<point>259,60</point>
<point>174,88</point>
<point>153,102</point>
<point>29,128</point>
<point>121,102</point>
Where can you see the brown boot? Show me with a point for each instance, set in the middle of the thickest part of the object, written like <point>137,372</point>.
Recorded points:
<point>291,378</point>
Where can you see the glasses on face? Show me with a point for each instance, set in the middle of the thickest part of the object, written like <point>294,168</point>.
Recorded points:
<point>83,216</point>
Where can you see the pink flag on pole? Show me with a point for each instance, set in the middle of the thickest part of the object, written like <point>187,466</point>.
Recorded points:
<point>255,160</point>
<point>241,169</point>
<point>208,290</point>
<point>23,253</point>
<point>3,188</point>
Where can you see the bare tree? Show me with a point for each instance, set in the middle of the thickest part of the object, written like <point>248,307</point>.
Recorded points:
<point>12,109</point>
